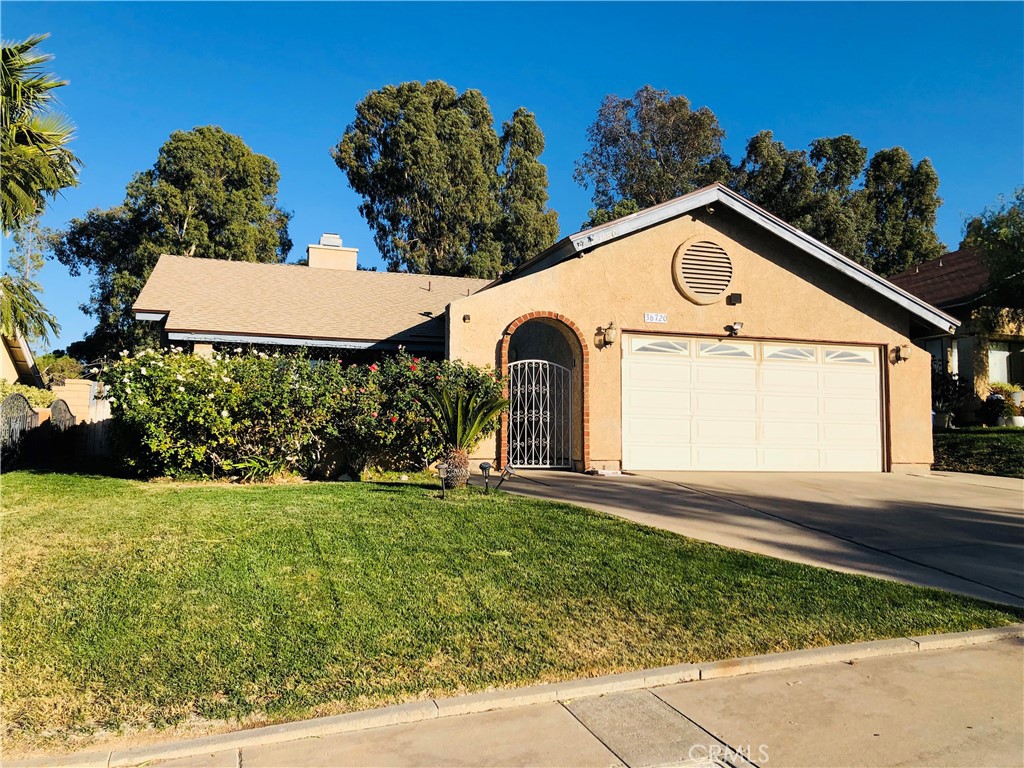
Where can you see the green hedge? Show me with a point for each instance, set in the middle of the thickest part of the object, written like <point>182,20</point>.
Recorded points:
<point>37,398</point>
<point>254,415</point>
<point>983,451</point>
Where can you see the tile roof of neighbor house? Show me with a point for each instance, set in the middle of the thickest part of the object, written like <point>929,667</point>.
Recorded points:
<point>947,281</point>
<point>212,297</point>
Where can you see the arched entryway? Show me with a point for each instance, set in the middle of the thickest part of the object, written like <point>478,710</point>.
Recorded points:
<point>544,360</point>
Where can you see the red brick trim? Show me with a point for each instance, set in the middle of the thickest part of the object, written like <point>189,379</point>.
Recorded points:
<point>503,367</point>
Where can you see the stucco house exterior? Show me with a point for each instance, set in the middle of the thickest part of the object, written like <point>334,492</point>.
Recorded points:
<point>988,346</point>
<point>700,334</point>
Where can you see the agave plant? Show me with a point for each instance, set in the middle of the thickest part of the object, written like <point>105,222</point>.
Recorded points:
<point>462,420</point>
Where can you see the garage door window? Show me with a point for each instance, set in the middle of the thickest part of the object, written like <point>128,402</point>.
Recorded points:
<point>665,347</point>
<point>773,352</point>
<point>857,356</point>
<point>721,349</point>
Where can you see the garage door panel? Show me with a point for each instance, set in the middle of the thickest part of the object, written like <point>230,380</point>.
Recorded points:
<point>658,401</point>
<point>790,432</point>
<point>738,375</point>
<point>790,406</point>
<point>760,406</point>
<point>788,458</point>
<point>793,377</point>
<point>733,432</point>
<point>653,430</point>
<point>725,403</point>
<point>724,458</point>
<point>660,375</point>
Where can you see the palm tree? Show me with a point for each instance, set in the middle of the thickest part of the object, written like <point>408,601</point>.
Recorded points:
<point>33,139</point>
<point>21,312</point>
<point>462,420</point>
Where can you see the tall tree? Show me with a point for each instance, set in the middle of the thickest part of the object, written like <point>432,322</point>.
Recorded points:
<point>527,226</point>
<point>902,200</point>
<point>23,311</point>
<point>37,162</point>
<point>425,160</point>
<point>650,148</point>
<point>778,179</point>
<point>999,233</point>
<point>208,195</point>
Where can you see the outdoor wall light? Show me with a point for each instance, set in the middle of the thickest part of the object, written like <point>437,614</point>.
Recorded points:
<point>735,328</point>
<point>610,334</point>
<point>903,352</point>
<point>485,467</point>
<point>442,469</point>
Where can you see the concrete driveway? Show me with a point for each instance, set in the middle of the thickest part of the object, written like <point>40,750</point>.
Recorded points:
<point>963,533</point>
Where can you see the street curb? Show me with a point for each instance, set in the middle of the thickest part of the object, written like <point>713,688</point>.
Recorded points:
<point>487,701</point>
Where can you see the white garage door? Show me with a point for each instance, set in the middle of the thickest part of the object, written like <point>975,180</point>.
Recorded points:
<point>742,405</point>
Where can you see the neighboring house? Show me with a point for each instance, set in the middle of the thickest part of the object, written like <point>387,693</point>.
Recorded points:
<point>987,346</point>
<point>701,334</point>
<point>17,365</point>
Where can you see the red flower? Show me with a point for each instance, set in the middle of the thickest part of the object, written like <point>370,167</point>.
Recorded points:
<point>439,377</point>
<point>362,390</point>
<point>394,419</point>
<point>415,359</point>
<point>412,367</point>
<point>373,367</point>
<point>374,414</point>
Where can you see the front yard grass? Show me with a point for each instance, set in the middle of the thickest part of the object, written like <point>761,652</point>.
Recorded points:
<point>130,606</point>
<point>982,450</point>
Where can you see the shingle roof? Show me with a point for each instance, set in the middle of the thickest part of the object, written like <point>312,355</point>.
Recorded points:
<point>947,281</point>
<point>212,296</point>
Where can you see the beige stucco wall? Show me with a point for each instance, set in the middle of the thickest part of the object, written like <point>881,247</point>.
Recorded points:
<point>787,294</point>
<point>7,370</point>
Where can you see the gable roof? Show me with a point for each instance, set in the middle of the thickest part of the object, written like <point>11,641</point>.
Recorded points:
<point>948,281</point>
<point>24,362</point>
<point>580,243</point>
<point>235,301</point>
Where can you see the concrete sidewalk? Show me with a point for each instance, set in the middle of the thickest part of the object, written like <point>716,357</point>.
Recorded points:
<point>949,708</point>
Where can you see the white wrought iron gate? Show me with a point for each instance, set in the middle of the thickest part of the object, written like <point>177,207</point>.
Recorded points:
<point>540,414</point>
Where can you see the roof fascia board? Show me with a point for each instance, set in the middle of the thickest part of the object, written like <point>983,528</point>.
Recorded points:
<point>218,338</point>
<point>154,317</point>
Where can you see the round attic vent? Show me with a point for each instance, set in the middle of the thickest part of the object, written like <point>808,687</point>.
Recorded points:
<point>702,271</point>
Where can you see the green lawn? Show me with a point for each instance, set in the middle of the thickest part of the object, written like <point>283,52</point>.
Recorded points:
<point>129,605</point>
<point>982,450</point>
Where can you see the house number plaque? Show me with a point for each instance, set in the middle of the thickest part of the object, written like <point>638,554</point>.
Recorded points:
<point>655,317</point>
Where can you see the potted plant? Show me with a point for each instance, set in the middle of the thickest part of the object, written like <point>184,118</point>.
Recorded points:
<point>462,420</point>
<point>949,394</point>
<point>1008,412</point>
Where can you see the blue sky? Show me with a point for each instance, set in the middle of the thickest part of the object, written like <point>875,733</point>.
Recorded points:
<point>943,80</point>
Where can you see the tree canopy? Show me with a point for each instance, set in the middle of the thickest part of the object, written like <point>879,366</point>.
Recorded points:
<point>653,147</point>
<point>999,233</point>
<point>37,163</point>
<point>442,192</point>
<point>208,195</point>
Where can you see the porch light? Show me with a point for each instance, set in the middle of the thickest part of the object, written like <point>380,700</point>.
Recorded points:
<point>903,352</point>
<point>611,334</point>
<point>485,467</point>
<point>735,328</point>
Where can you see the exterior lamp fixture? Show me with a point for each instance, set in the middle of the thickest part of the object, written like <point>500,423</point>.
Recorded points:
<point>735,328</point>
<point>485,467</point>
<point>610,334</point>
<point>442,470</point>
<point>903,352</point>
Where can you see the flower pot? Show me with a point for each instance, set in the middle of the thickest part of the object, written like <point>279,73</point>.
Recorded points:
<point>1018,398</point>
<point>1003,421</point>
<point>1018,421</point>
<point>942,420</point>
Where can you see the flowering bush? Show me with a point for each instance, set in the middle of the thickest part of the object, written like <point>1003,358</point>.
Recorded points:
<point>255,415</point>
<point>37,398</point>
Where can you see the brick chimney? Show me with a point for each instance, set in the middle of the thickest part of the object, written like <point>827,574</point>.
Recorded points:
<point>329,254</point>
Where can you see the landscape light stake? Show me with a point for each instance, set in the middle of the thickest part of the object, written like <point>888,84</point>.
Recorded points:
<point>441,470</point>
<point>485,467</point>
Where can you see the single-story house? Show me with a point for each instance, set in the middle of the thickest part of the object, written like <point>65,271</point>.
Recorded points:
<point>700,334</point>
<point>988,346</point>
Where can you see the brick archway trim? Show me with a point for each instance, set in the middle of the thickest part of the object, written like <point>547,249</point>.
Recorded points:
<point>506,338</point>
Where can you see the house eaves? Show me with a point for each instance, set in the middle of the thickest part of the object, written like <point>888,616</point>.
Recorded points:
<point>581,243</point>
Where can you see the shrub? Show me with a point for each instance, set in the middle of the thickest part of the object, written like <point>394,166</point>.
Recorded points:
<point>57,369</point>
<point>254,415</point>
<point>37,398</point>
<point>949,394</point>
